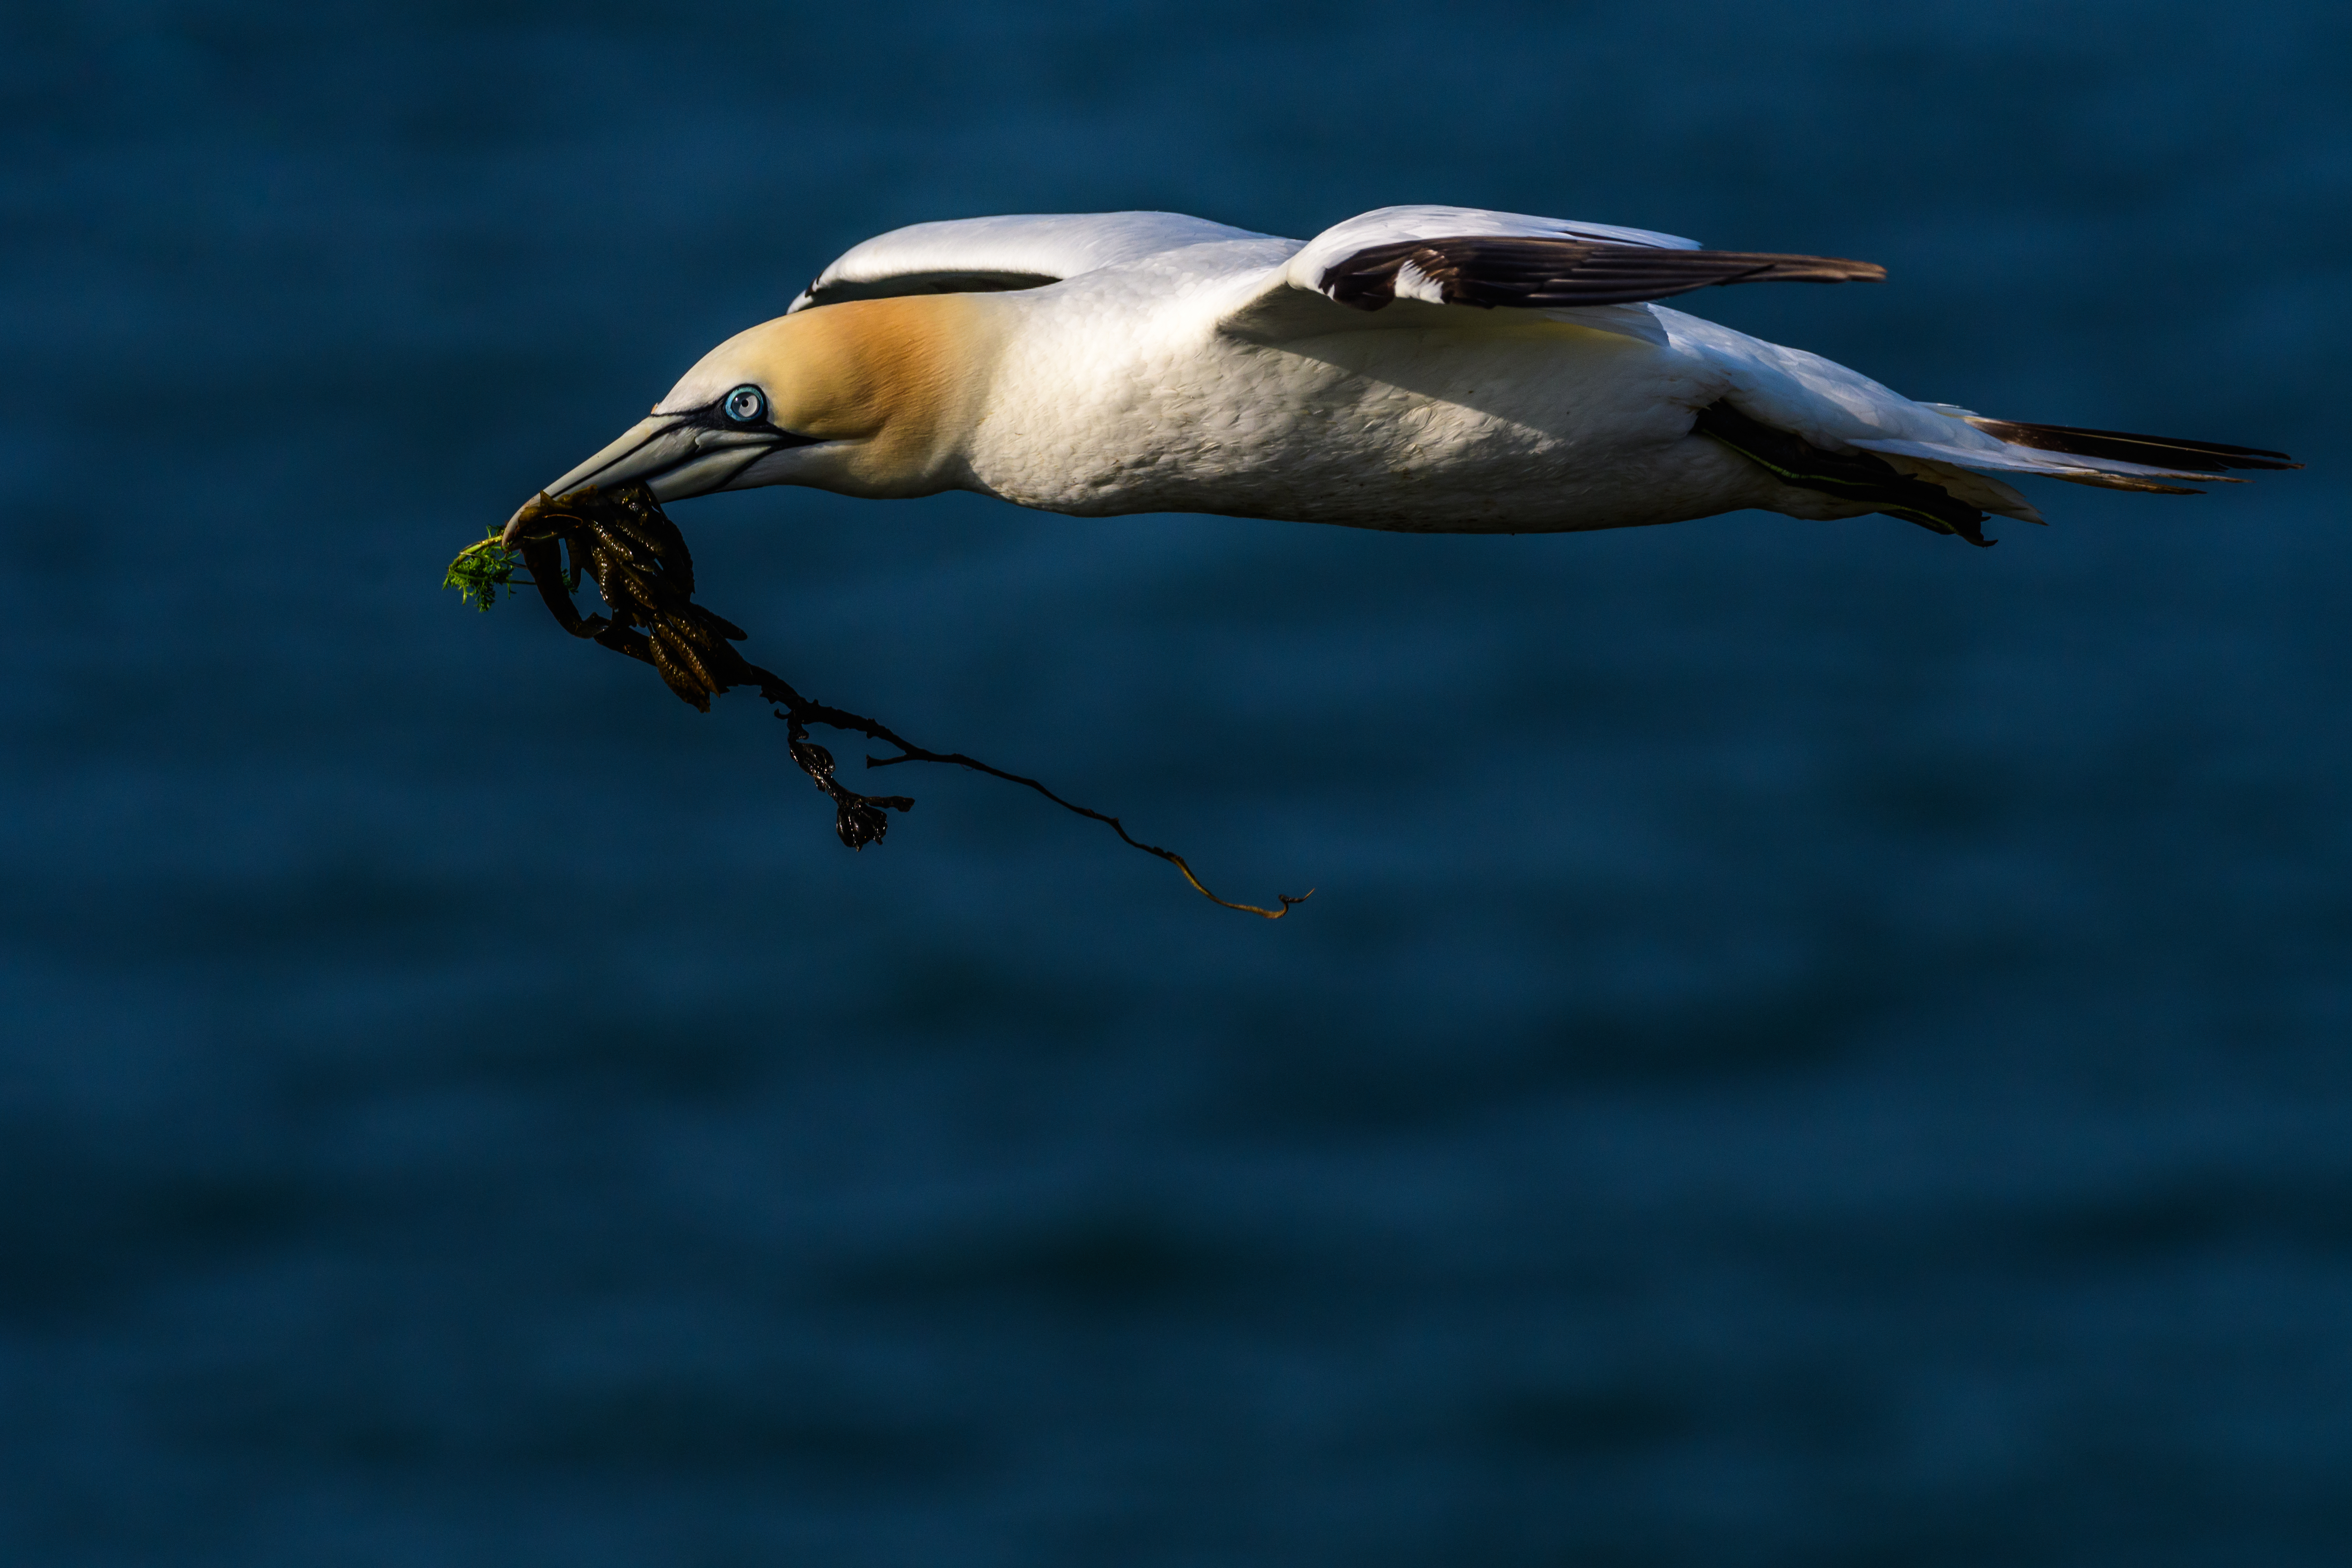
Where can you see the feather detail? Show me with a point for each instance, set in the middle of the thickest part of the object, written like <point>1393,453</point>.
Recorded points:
<point>2104,472</point>
<point>1862,478</point>
<point>2115,446</point>
<point>1488,270</point>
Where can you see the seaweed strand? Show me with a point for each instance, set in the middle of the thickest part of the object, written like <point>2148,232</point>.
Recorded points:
<point>621,539</point>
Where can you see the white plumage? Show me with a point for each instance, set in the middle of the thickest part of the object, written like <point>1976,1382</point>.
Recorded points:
<point>1426,368</point>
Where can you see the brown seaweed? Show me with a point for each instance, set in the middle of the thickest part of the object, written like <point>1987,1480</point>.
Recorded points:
<point>619,539</point>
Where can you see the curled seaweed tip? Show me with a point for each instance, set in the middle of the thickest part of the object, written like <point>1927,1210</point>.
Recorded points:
<point>621,539</point>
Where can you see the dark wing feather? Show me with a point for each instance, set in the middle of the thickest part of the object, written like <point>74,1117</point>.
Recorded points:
<point>1488,270</point>
<point>2157,451</point>
<point>838,290</point>
<point>1862,477</point>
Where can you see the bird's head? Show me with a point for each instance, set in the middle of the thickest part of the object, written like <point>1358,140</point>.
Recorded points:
<point>867,398</point>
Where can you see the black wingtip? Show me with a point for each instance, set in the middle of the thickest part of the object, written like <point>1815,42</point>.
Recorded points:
<point>1488,270</point>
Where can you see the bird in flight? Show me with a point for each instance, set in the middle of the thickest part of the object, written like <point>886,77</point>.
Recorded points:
<point>1424,369</point>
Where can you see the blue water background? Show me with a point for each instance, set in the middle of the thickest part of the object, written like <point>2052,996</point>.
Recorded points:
<point>1813,1045</point>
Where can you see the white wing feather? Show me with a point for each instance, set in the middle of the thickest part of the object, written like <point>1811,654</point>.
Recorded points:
<point>1022,250</point>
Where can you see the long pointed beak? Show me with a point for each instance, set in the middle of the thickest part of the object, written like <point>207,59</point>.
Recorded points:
<point>672,456</point>
<point>646,448</point>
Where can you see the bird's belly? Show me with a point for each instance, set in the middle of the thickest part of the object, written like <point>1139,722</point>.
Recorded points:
<point>1528,426</point>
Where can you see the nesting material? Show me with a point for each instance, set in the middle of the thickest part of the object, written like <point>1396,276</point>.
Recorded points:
<point>618,539</point>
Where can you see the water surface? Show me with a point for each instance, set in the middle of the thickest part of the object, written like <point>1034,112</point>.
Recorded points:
<point>1813,1045</point>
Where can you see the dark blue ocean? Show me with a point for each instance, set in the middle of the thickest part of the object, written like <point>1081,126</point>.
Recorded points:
<point>1814,1046</point>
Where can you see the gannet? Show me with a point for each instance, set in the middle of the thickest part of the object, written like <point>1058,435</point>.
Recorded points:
<point>1429,369</point>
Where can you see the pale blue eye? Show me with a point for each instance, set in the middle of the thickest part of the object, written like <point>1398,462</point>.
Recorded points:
<point>744,405</point>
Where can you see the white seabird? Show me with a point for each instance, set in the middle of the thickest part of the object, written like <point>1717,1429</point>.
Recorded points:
<point>1430,368</point>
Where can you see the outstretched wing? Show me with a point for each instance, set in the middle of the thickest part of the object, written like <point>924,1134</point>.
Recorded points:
<point>1465,256</point>
<point>1025,251</point>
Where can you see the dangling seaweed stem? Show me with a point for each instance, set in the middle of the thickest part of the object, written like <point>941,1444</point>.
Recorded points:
<point>621,539</point>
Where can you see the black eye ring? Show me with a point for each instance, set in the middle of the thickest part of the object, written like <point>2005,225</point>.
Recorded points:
<point>745,405</point>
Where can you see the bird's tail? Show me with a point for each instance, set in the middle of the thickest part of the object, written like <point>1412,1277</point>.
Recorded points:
<point>2148,455</point>
<point>1941,484</point>
<point>2111,459</point>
